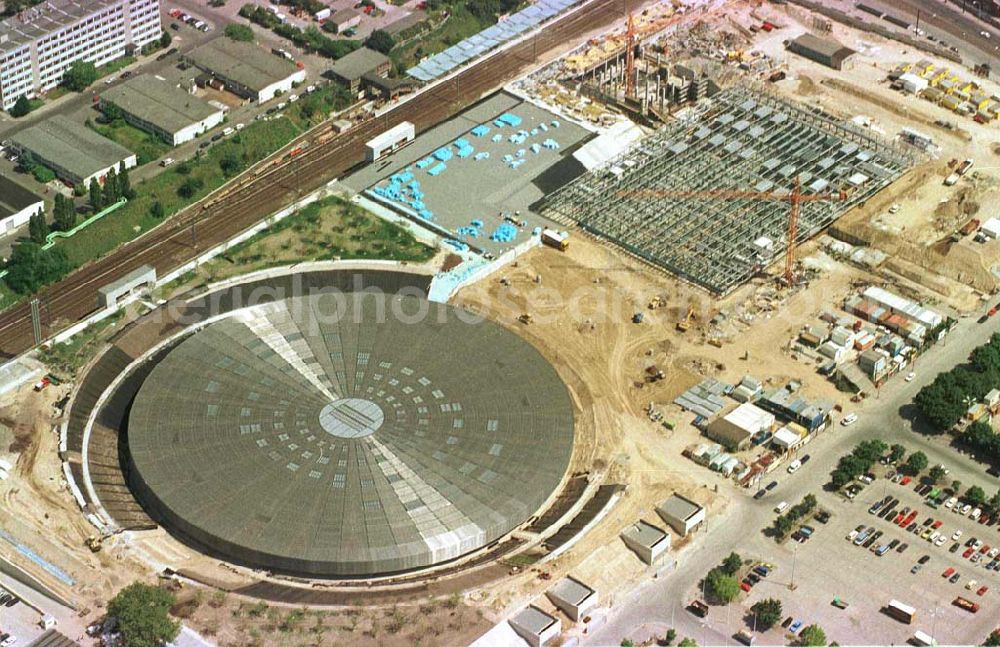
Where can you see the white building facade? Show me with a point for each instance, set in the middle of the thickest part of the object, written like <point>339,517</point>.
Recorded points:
<point>40,43</point>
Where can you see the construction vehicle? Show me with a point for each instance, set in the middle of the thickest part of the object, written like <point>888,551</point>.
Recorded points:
<point>556,239</point>
<point>638,317</point>
<point>795,198</point>
<point>94,543</point>
<point>654,374</point>
<point>525,318</point>
<point>656,302</point>
<point>684,324</point>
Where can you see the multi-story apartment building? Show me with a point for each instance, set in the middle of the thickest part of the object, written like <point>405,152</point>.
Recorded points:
<point>38,44</point>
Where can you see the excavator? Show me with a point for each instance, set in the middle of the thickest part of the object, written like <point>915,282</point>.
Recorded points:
<point>684,324</point>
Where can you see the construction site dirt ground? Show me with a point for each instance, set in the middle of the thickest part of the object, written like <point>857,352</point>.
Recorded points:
<point>928,211</point>
<point>581,303</point>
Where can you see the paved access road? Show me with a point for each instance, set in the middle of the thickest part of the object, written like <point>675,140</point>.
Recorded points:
<point>270,187</point>
<point>659,604</point>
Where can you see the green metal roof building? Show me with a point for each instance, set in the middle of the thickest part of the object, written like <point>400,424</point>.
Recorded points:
<point>76,153</point>
<point>163,109</point>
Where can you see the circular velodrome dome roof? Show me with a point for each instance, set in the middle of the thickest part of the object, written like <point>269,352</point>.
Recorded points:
<point>289,438</point>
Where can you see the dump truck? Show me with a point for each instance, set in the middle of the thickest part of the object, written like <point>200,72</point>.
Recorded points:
<point>556,239</point>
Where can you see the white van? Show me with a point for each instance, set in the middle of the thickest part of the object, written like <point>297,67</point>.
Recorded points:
<point>781,507</point>
<point>794,466</point>
<point>227,131</point>
<point>166,161</point>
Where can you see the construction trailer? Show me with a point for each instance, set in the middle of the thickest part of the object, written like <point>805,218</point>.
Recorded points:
<point>744,139</point>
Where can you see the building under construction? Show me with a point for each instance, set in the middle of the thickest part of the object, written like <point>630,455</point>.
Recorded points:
<point>708,197</point>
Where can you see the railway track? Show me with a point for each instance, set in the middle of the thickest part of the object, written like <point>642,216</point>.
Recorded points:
<point>237,207</point>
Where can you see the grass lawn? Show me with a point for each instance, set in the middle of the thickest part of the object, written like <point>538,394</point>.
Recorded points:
<point>328,229</point>
<point>147,147</point>
<point>253,143</point>
<point>67,358</point>
<point>114,66</point>
<point>7,297</point>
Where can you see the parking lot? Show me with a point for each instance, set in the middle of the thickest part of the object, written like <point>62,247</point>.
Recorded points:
<point>829,565</point>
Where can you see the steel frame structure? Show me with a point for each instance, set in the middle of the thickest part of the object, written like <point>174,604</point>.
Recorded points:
<point>744,139</point>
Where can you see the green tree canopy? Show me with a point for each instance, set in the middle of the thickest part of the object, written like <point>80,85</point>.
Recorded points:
<point>96,195</point>
<point>993,640</point>
<point>380,41</point>
<point>38,228</point>
<point>975,495</point>
<point>936,474</point>
<point>732,563</point>
<point>916,463</point>
<point>111,187</point>
<point>687,642</point>
<point>811,636</point>
<point>143,615</point>
<point>79,75</point>
<point>165,39</point>
<point>766,613</point>
<point>242,33</point>
<point>64,213</point>
<point>722,587</point>
<point>30,267</point>
<point>897,452</point>
<point>21,107</point>
<point>189,187</point>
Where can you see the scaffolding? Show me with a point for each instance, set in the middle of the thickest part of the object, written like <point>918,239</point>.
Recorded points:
<point>744,139</point>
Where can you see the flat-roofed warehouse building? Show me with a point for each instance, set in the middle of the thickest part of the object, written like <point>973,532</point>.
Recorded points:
<point>77,154</point>
<point>646,540</point>
<point>247,70</point>
<point>39,43</point>
<point>573,597</point>
<point>17,205</point>
<point>165,110</point>
<point>822,50</point>
<point>351,70</point>
<point>681,513</point>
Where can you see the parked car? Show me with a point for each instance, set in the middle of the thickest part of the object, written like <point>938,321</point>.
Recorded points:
<point>924,559</point>
<point>781,507</point>
<point>760,494</point>
<point>956,535</point>
<point>948,572</point>
<point>954,578</point>
<point>849,419</point>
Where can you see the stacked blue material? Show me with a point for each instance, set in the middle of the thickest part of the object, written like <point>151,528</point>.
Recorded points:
<point>480,130</point>
<point>505,233</point>
<point>443,154</point>
<point>437,169</point>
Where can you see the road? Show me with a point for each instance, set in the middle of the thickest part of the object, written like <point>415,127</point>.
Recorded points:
<point>949,23</point>
<point>659,604</point>
<point>243,204</point>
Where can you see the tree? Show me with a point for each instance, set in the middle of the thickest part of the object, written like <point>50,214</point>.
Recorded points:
<point>766,613</point>
<point>143,615</point>
<point>241,33</point>
<point>189,187</point>
<point>156,210</point>
<point>687,642</point>
<point>21,107</point>
<point>993,640</point>
<point>124,183</point>
<point>897,452</point>
<point>30,267</point>
<point>79,75</point>
<point>936,474</point>
<point>380,41</point>
<point>627,642</point>
<point>811,636</point>
<point>38,229</point>
<point>731,564</point>
<point>916,463</point>
<point>64,213</point>
<point>975,495</point>
<point>96,196</point>
<point>994,502</point>
<point>165,40</point>
<point>670,636</point>
<point>956,486</point>
<point>230,163</point>
<point>722,587</point>
<point>110,187</point>
<point>111,111</point>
